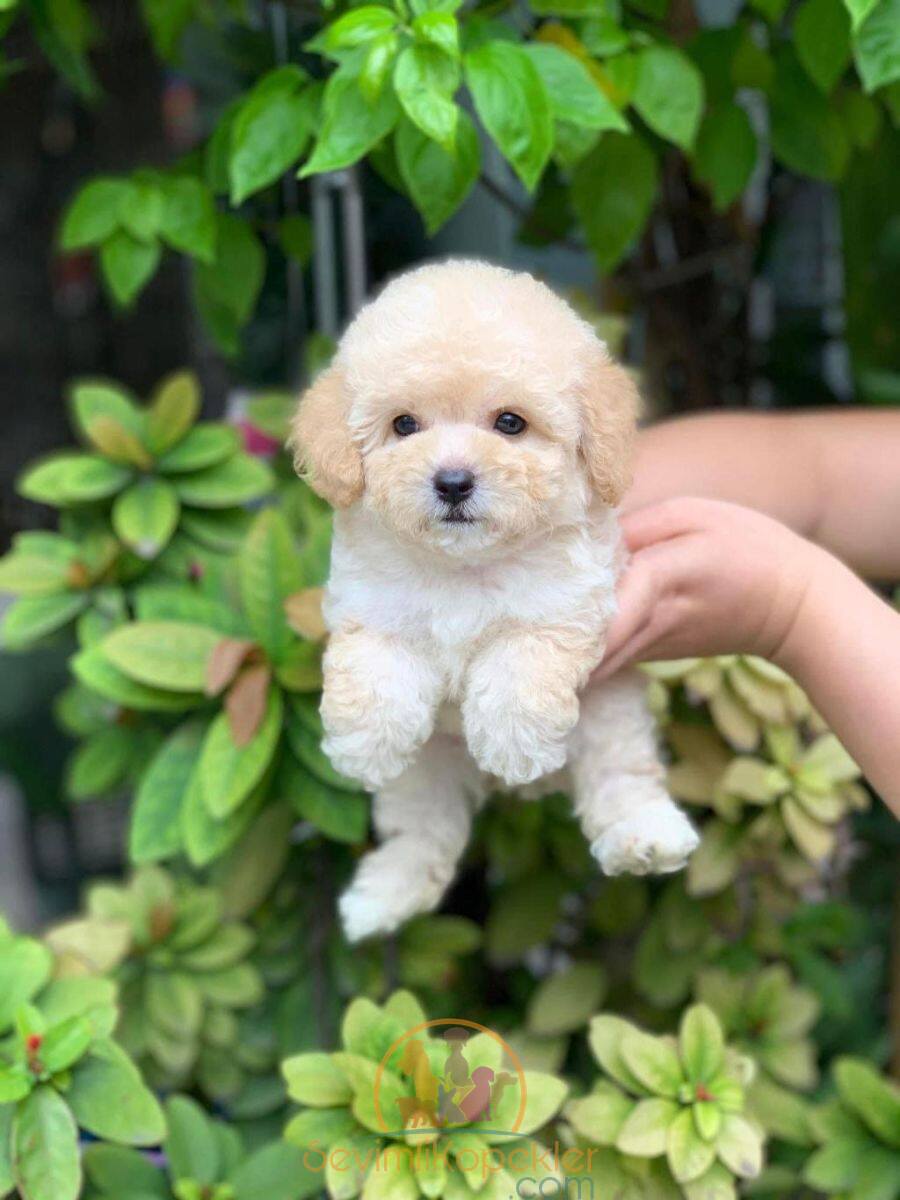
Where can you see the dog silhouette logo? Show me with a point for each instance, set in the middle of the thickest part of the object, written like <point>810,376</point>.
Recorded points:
<point>457,1072</point>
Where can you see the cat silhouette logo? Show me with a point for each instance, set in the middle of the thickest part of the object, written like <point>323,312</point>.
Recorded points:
<point>451,1072</point>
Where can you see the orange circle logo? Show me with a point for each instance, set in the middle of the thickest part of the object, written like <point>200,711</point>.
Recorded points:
<point>448,1091</point>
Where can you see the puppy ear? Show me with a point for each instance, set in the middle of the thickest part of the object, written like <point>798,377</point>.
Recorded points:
<point>610,406</point>
<point>320,438</point>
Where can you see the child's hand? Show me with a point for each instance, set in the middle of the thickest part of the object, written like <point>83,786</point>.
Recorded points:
<point>707,578</point>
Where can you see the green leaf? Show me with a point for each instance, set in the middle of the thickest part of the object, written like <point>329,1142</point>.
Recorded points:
<point>270,130</point>
<point>874,1100</point>
<point>342,816</point>
<point>167,21</point>
<point>524,914</point>
<point>34,617</point>
<point>109,1099</point>
<point>191,1146</point>
<point>175,407</point>
<point>316,1079</point>
<point>269,573</point>
<point>146,515</point>
<point>688,1154</point>
<point>188,221</point>
<point>227,289</point>
<point>250,872</point>
<point>128,265</point>
<point>171,655</point>
<point>668,94</point>
<point>701,1043</point>
<point>439,29</point>
<point>739,1147</point>
<point>877,46</point>
<point>571,8</point>
<point>239,986</point>
<point>436,181</point>
<point>81,996</point>
<point>653,1061</point>
<point>645,1132</point>
<point>65,479</point>
<point>93,399</point>
<point>93,214</point>
<point>725,154</point>
<point>358,26</point>
<point>807,135</point>
<point>65,1043</point>
<point>100,762</point>
<point>25,967</point>
<point>7,1180</point>
<point>38,565</point>
<point>425,79</point>
<point>206,446</point>
<point>564,1002</point>
<point>229,772</point>
<point>822,39</point>
<point>574,96</point>
<point>155,817</point>
<point>836,1167</point>
<point>96,672</point>
<point>120,1172</point>
<point>512,102</point>
<point>238,480</point>
<point>613,190</point>
<point>45,1159</point>
<point>600,1114</point>
<point>206,839</point>
<point>351,125</point>
<point>141,208</point>
<point>222,531</point>
<point>276,1172</point>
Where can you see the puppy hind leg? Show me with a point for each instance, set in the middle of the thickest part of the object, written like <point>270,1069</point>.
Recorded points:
<point>423,819</point>
<point>619,785</point>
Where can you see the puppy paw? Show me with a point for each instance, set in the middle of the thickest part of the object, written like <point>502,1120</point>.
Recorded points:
<point>364,756</point>
<point>654,840</point>
<point>519,759</point>
<point>392,884</point>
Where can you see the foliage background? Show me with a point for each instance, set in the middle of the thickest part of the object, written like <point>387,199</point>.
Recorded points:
<point>715,184</point>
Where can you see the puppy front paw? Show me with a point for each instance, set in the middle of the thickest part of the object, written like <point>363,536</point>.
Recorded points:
<point>392,884</point>
<point>516,755</point>
<point>374,740</point>
<point>364,755</point>
<point>655,839</point>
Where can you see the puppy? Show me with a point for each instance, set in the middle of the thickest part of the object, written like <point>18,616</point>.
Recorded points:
<point>475,438</point>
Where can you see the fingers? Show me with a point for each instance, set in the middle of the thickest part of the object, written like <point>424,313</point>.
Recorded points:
<point>672,518</point>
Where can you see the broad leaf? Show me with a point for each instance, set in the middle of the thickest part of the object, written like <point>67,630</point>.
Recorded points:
<point>269,573</point>
<point>701,1043</point>
<point>155,818</point>
<point>668,94</point>
<point>739,1147</point>
<point>110,1100</point>
<point>191,1145</point>
<point>653,1061</point>
<point>437,182</point>
<point>230,772</point>
<point>270,130</point>
<point>512,102</point>
<point>118,1171</point>
<point>227,288</point>
<point>276,1172</point>
<point>171,655</point>
<point>66,479</point>
<point>145,516</point>
<point>425,79</point>
<point>317,1080</point>
<point>613,190</point>
<point>564,1002</point>
<point>688,1154</point>
<point>128,265</point>
<point>822,39</point>
<point>188,221</point>
<point>93,215</point>
<point>645,1133</point>
<point>725,153</point>
<point>877,46</point>
<point>351,125</point>
<point>31,618</point>
<point>96,672</point>
<point>874,1100</point>
<point>45,1159</point>
<point>91,399</point>
<point>238,480</point>
<point>574,95</point>
<point>25,967</point>
<point>204,446</point>
<point>174,409</point>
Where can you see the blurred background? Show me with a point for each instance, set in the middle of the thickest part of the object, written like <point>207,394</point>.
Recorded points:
<point>777,288</point>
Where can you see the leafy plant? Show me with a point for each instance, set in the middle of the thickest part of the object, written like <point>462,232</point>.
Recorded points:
<point>681,1099</point>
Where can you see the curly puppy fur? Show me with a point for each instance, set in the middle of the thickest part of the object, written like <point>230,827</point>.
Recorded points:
<point>460,650</point>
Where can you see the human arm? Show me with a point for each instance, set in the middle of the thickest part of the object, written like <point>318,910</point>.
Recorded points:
<point>830,475</point>
<point>710,578</point>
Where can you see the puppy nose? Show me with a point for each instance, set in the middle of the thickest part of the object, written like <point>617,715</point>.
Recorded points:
<point>454,486</point>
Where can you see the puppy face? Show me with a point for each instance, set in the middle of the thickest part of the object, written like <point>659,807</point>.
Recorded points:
<point>468,408</point>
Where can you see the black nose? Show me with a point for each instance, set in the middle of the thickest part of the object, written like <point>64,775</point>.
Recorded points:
<point>454,486</point>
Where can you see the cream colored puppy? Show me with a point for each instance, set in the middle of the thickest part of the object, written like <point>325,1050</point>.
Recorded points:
<point>475,437</point>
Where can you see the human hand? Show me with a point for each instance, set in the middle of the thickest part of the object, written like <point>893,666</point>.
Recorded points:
<point>707,578</point>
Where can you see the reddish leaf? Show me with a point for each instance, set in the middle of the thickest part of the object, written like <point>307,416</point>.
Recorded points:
<point>225,662</point>
<point>246,703</point>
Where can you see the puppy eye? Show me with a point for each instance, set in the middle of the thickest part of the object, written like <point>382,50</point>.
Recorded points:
<point>404,425</point>
<point>510,423</point>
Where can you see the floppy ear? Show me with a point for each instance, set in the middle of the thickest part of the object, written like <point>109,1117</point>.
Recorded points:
<point>320,439</point>
<point>610,406</point>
